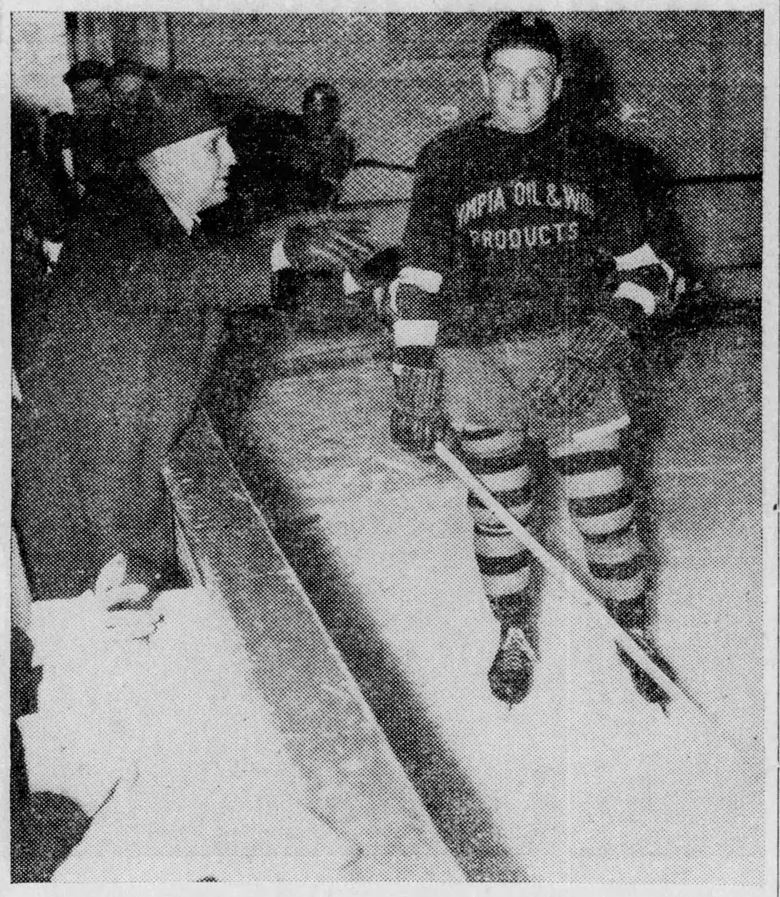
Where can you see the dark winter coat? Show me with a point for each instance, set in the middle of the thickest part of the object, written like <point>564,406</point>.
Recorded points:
<point>132,318</point>
<point>35,216</point>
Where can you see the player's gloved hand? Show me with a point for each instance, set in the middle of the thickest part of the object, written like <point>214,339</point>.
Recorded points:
<point>325,244</point>
<point>406,300</point>
<point>570,385</point>
<point>417,420</point>
<point>642,283</point>
<point>379,269</point>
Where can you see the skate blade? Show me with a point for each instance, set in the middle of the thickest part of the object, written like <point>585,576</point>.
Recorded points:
<point>520,636</point>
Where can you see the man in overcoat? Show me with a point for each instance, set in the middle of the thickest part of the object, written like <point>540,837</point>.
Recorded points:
<point>133,316</point>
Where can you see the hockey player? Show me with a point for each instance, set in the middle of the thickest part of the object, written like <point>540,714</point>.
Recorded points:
<point>529,264</point>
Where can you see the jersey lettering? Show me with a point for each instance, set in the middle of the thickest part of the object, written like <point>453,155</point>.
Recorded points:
<point>525,194</point>
<point>528,237</point>
<point>578,200</point>
<point>490,201</point>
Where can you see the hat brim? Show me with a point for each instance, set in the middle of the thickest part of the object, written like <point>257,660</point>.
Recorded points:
<point>138,135</point>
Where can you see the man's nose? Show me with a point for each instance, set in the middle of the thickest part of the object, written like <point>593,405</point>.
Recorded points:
<point>520,89</point>
<point>227,156</point>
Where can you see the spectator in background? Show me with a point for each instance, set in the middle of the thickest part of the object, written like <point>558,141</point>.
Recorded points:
<point>86,81</point>
<point>78,145</point>
<point>124,81</point>
<point>290,160</point>
<point>37,220</point>
<point>328,151</point>
<point>298,161</point>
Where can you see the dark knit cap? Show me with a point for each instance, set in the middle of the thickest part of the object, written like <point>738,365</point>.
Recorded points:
<point>172,107</point>
<point>86,70</point>
<point>522,30</point>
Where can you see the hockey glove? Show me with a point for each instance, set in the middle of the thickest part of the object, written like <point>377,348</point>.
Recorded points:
<point>570,386</point>
<point>417,420</point>
<point>642,280</point>
<point>380,269</point>
<point>374,277</point>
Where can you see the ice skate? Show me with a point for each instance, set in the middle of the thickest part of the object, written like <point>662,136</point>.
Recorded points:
<point>511,673</point>
<point>643,683</point>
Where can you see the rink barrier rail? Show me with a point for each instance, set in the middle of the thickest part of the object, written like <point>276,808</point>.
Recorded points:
<point>678,183</point>
<point>739,177</point>
<point>354,780</point>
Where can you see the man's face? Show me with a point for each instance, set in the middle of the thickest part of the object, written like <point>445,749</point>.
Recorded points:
<point>194,172</point>
<point>321,116</point>
<point>90,97</point>
<point>124,88</point>
<point>521,84</point>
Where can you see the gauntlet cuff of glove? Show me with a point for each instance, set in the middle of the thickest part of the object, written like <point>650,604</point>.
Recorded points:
<point>418,391</point>
<point>414,356</point>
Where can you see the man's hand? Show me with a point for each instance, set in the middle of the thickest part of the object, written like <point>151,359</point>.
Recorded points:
<point>120,608</point>
<point>326,244</point>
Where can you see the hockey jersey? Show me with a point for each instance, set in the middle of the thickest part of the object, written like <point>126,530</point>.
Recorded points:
<point>519,226</point>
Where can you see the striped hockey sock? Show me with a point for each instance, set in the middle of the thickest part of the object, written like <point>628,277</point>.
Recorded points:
<point>602,507</point>
<point>500,459</point>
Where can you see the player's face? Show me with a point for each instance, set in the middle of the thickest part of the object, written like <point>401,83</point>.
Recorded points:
<point>521,84</point>
<point>321,116</point>
<point>90,97</point>
<point>125,88</point>
<point>196,170</point>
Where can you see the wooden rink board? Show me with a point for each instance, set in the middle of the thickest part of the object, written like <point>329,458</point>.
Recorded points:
<point>354,779</point>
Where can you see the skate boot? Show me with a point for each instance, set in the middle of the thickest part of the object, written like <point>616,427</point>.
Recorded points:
<point>646,686</point>
<point>512,670</point>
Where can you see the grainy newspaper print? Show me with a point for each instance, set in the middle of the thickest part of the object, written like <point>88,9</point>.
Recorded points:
<point>391,482</point>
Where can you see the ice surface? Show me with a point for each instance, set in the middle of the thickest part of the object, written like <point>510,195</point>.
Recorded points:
<point>583,782</point>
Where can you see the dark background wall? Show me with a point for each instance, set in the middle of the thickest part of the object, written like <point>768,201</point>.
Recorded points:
<point>688,84</point>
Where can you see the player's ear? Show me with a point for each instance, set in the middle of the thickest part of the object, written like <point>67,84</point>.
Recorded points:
<point>558,87</point>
